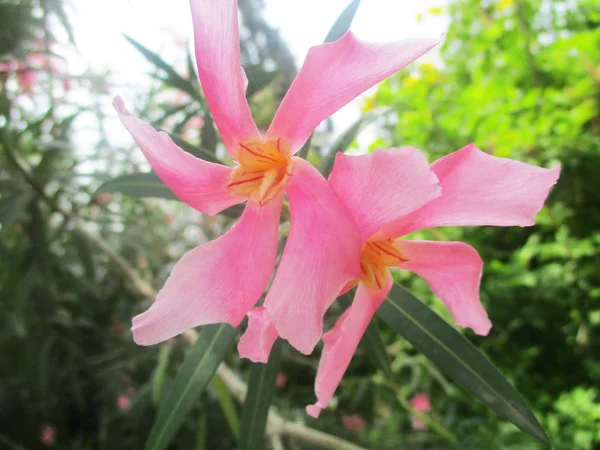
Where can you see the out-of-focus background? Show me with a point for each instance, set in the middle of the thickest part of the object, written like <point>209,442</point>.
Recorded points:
<point>520,78</point>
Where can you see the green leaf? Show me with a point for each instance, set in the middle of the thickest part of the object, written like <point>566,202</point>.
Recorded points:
<point>208,135</point>
<point>193,376</point>
<point>227,406</point>
<point>173,78</point>
<point>160,372</point>
<point>457,357</point>
<point>343,142</point>
<point>255,412</point>
<point>138,185</point>
<point>343,22</point>
<point>371,341</point>
<point>199,152</point>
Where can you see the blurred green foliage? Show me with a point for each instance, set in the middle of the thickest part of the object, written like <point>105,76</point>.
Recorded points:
<point>520,78</point>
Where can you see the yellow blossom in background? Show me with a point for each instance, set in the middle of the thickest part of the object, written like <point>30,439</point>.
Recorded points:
<point>504,4</point>
<point>430,72</point>
<point>368,104</point>
<point>435,11</point>
<point>410,81</point>
<point>419,17</point>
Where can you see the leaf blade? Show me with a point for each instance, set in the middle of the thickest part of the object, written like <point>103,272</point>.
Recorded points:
<point>138,185</point>
<point>191,379</point>
<point>343,22</point>
<point>457,357</point>
<point>258,400</point>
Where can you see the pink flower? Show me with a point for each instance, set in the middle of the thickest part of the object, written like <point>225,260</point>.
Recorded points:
<point>123,402</point>
<point>48,435</point>
<point>281,380</point>
<point>103,198</point>
<point>353,422</point>
<point>422,404</point>
<point>391,193</point>
<point>222,280</point>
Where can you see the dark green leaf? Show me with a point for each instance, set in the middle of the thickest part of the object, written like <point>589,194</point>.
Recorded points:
<point>227,406</point>
<point>457,357</point>
<point>139,185</point>
<point>261,388</point>
<point>208,135</point>
<point>84,251</point>
<point>173,78</point>
<point>371,341</point>
<point>344,141</point>
<point>343,22</point>
<point>303,153</point>
<point>199,152</point>
<point>193,376</point>
<point>258,78</point>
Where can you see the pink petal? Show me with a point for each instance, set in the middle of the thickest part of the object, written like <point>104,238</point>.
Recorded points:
<point>453,272</point>
<point>480,189</point>
<point>321,256</point>
<point>334,74</point>
<point>215,282</point>
<point>200,184</point>
<point>217,43</point>
<point>258,339</point>
<point>342,341</point>
<point>383,186</point>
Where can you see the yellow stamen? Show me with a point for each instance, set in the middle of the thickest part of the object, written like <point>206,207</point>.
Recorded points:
<point>264,170</point>
<point>375,258</point>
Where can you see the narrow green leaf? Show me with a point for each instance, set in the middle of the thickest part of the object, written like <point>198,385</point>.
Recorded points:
<point>199,152</point>
<point>227,406</point>
<point>343,142</point>
<point>202,432</point>
<point>343,22</point>
<point>160,372</point>
<point>303,153</point>
<point>138,185</point>
<point>457,357</point>
<point>82,245</point>
<point>208,135</point>
<point>191,379</point>
<point>13,205</point>
<point>371,341</point>
<point>255,411</point>
<point>173,78</point>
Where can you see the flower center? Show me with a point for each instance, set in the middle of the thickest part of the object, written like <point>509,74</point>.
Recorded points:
<point>375,258</point>
<point>263,172</point>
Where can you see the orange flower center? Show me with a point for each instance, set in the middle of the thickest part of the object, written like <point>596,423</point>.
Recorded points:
<point>264,170</point>
<point>375,258</point>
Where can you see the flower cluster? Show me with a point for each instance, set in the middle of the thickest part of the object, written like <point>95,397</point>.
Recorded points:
<point>343,231</point>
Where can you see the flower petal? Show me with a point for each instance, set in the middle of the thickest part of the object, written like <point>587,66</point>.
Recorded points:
<point>480,189</point>
<point>383,186</point>
<point>217,43</point>
<point>215,282</point>
<point>321,256</point>
<point>258,339</point>
<point>200,184</point>
<point>334,74</point>
<point>453,272</point>
<point>342,341</point>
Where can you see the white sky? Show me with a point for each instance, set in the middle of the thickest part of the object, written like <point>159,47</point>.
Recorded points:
<point>99,27</point>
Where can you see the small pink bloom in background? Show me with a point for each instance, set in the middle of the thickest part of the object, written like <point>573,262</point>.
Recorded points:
<point>67,84</point>
<point>353,422</point>
<point>192,127</point>
<point>212,283</point>
<point>281,380</point>
<point>123,402</point>
<point>170,218</point>
<point>48,435</point>
<point>103,198</point>
<point>422,404</point>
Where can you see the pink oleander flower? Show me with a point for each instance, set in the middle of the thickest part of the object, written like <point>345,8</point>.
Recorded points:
<point>123,402</point>
<point>48,435</point>
<point>222,280</point>
<point>353,422</point>
<point>391,193</point>
<point>421,403</point>
<point>281,380</point>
